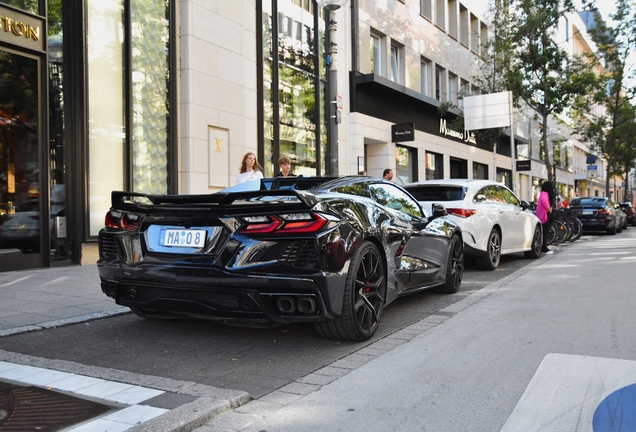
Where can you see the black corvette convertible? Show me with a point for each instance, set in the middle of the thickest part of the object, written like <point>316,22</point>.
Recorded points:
<point>332,251</point>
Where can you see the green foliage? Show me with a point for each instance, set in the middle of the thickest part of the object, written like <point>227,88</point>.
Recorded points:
<point>610,131</point>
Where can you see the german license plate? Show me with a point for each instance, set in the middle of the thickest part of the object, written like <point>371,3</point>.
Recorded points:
<point>182,237</point>
<point>588,212</point>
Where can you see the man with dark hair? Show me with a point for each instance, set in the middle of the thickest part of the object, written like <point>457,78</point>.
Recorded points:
<point>284,163</point>
<point>388,174</point>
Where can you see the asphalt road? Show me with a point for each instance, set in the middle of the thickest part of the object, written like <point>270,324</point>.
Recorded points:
<point>257,361</point>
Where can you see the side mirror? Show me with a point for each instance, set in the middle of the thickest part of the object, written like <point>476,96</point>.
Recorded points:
<point>438,210</point>
<point>525,205</point>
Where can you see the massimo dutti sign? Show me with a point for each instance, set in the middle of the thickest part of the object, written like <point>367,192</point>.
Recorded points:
<point>465,135</point>
<point>403,132</point>
<point>23,30</point>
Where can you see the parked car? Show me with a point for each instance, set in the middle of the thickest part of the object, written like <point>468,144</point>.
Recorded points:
<point>596,214</point>
<point>331,251</point>
<point>493,220</point>
<point>629,210</point>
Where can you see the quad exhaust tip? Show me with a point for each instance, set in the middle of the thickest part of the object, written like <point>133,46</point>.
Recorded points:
<point>302,305</point>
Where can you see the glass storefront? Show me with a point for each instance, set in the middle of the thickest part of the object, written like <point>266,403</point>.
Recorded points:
<point>20,182</point>
<point>111,129</point>
<point>293,86</point>
<point>129,112</point>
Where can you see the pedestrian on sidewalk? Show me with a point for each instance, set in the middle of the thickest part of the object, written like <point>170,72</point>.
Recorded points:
<point>543,212</point>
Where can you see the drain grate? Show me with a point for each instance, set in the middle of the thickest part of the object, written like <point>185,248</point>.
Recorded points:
<point>32,409</point>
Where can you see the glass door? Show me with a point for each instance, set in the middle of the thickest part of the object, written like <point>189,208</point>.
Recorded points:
<point>21,192</point>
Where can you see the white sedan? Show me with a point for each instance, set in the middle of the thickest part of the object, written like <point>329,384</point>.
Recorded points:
<point>492,218</point>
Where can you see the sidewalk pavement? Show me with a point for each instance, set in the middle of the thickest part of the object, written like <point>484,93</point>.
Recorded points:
<point>44,298</point>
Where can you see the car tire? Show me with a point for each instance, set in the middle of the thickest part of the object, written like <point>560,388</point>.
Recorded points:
<point>490,260</point>
<point>155,315</point>
<point>364,298</point>
<point>612,231</point>
<point>537,243</point>
<point>454,267</point>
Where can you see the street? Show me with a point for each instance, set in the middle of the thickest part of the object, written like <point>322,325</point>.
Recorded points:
<point>461,361</point>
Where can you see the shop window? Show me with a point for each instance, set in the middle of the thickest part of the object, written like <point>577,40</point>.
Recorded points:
<point>434,166</point>
<point>150,96</point>
<point>291,113</point>
<point>458,168</point>
<point>129,101</point>
<point>480,171</point>
<point>406,164</point>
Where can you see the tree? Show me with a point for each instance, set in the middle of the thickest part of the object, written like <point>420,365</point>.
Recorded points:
<point>541,73</point>
<point>625,149</point>
<point>605,130</point>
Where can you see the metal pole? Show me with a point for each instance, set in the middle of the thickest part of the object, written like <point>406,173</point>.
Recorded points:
<point>512,143</point>
<point>332,77</point>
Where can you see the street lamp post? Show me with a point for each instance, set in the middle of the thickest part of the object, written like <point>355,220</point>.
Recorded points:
<point>332,81</point>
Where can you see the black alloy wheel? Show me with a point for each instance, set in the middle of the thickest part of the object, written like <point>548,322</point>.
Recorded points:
<point>454,267</point>
<point>364,297</point>
<point>537,240</point>
<point>491,259</point>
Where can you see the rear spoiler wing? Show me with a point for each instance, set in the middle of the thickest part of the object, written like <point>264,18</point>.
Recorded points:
<point>148,203</point>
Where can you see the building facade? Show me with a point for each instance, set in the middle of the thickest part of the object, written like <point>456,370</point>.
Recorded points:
<point>166,96</point>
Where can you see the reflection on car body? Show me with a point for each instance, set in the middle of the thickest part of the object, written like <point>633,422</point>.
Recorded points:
<point>331,251</point>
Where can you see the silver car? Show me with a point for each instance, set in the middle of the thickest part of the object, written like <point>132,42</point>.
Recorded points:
<point>492,218</point>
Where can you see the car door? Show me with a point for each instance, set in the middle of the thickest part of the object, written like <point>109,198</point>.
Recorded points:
<point>507,218</point>
<point>419,253</point>
<point>523,223</point>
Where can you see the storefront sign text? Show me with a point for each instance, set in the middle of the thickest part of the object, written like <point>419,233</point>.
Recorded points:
<point>21,29</point>
<point>466,135</point>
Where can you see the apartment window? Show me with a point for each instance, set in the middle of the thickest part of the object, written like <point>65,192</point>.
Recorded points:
<point>483,34</point>
<point>426,9</point>
<point>440,14</point>
<point>474,34</point>
<point>440,90</point>
<point>425,76</point>
<point>376,54</point>
<point>463,25</point>
<point>464,88</point>
<point>396,63</point>
<point>434,166</point>
<point>452,19</point>
<point>452,88</point>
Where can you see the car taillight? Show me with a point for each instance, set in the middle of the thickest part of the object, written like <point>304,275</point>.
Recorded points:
<point>120,220</point>
<point>293,223</point>
<point>462,213</point>
<point>603,212</point>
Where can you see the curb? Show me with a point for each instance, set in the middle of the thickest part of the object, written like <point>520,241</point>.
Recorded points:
<point>210,402</point>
